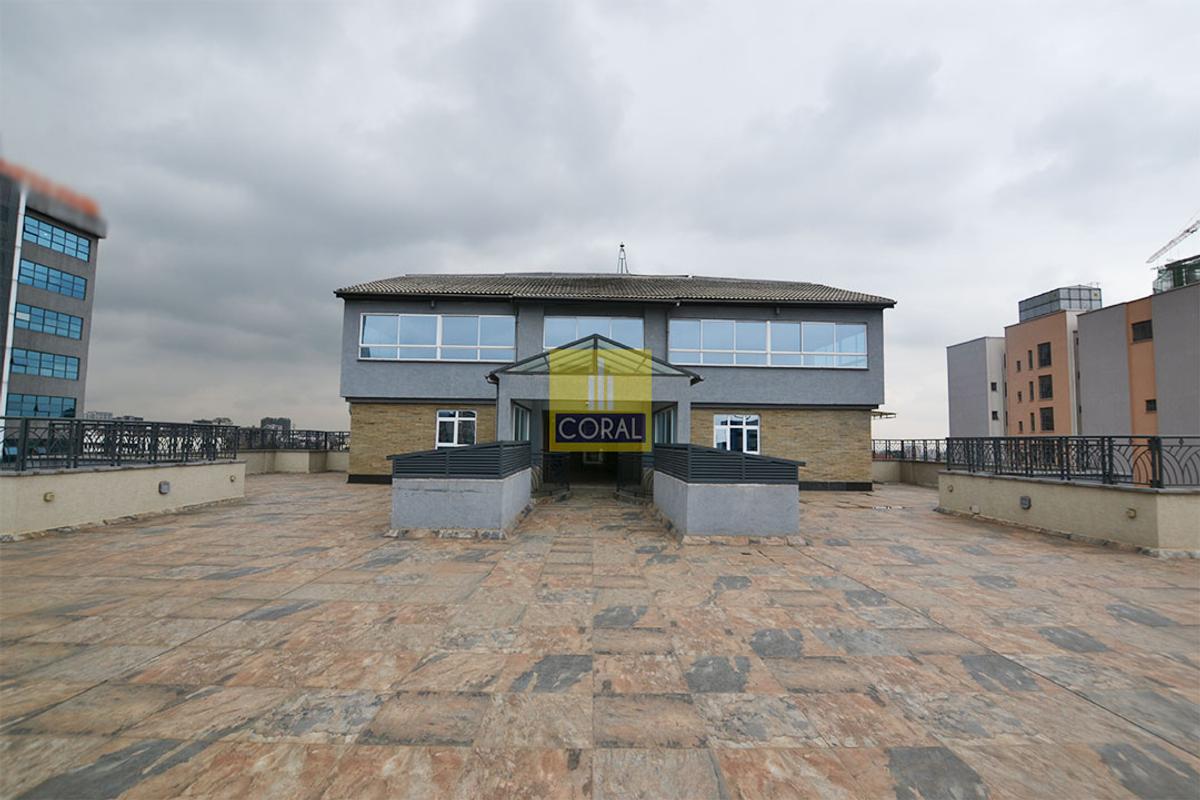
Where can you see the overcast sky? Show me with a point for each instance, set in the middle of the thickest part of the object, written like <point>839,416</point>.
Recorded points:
<point>251,157</point>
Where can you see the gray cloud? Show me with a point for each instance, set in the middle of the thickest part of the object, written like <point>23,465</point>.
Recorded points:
<point>251,157</point>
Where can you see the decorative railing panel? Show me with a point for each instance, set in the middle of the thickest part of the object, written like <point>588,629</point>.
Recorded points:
<point>695,464</point>
<point>57,443</point>
<point>931,450</point>
<point>273,439</point>
<point>489,460</point>
<point>1153,461</point>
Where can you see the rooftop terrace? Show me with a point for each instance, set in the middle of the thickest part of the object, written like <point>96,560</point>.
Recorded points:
<point>283,648</point>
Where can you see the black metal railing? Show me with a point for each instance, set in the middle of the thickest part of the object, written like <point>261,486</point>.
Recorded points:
<point>931,450</point>
<point>274,439</point>
<point>58,443</point>
<point>555,467</point>
<point>1153,461</point>
<point>490,460</point>
<point>695,464</point>
<point>631,471</point>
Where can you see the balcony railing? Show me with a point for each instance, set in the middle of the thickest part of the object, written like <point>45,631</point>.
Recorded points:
<point>1152,461</point>
<point>695,464</point>
<point>274,439</point>
<point>931,450</point>
<point>490,460</point>
<point>57,443</point>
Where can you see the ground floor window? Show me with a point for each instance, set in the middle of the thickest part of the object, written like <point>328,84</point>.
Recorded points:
<point>520,424</point>
<point>455,428</point>
<point>1047,415</point>
<point>737,432</point>
<point>664,426</point>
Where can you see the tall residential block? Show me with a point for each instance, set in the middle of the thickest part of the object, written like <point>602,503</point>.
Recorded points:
<point>49,238</point>
<point>977,386</point>
<point>1039,377</point>
<point>1139,366</point>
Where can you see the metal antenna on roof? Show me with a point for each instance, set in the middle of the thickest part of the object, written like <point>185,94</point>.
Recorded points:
<point>622,264</point>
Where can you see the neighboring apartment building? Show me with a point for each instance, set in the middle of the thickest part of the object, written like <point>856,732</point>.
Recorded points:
<point>773,367</point>
<point>1039,385</point>
<point>1139,366</point>
<point>49,240</point>
<point>977,386</point>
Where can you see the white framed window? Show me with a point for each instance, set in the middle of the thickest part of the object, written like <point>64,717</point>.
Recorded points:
<point>557,331</point>
<point>737,432</point>
<point>437,337</point>
<point>664,425</point>
<point>455,428</point>
<point>773,343</point>
<point>520,423</point>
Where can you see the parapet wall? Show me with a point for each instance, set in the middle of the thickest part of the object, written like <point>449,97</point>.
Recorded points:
<point>36,501</point>
<point>1160,521</point>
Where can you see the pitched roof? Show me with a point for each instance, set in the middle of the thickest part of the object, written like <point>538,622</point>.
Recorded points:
<point>585,286</point>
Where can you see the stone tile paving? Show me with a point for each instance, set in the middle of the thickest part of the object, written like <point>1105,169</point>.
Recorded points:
<point>283,648</point>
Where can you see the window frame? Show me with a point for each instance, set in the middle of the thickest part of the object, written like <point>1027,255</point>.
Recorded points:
<point>1042,416</point>
<point>437,346</point>
<point>1152,405</point>
<point>744,424</point>
<point>63,401</point>
<point>459,415</point>
<point>70,364</point>
<point>1045,387</point>
<point>78,283</point>
<point>676,355</point>
<point>56,239</point>
<point>1146,326</point>
<point>520,423</point>
<point>72,322</point>
<point>1048,352</point>
<point>577,317</point>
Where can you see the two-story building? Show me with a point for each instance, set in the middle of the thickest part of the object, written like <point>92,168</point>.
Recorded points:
<point>779,368</point>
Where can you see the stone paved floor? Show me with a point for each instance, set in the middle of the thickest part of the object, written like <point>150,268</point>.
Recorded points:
<point>282,648</point>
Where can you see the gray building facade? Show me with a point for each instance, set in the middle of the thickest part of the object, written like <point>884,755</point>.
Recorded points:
<point>781,368</point>
<point>49,245</point>
<point>976,387</point>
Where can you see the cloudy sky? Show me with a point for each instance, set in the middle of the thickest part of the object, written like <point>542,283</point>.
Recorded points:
<point>251,157</point>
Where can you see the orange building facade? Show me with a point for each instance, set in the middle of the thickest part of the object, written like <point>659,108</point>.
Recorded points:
<point>1039,367</point>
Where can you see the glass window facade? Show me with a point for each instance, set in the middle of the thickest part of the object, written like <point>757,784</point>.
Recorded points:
<point>768,343</point>
<point>455,428</point>
<point>43,320</point>
<point>47,365</point>
<point>437,337</point>
<point>51,279</point>
<point>738,432</point>
<point>558,331</point>
<point>39,405</point>
<point>56,238</point>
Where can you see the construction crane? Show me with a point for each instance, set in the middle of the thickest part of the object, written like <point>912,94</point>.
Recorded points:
<point>1192,227</point>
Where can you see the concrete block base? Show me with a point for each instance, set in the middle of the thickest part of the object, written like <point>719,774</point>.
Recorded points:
<point>475,505</point>
<point>737,512</point>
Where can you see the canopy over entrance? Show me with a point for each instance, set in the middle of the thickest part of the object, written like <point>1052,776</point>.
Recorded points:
<point>582,356</point>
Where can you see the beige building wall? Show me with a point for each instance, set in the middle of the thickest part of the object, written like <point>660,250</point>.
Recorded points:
<point>834,443</point>
<point>379,430</point>
<point>40,501</point>
<point>1156,519</point>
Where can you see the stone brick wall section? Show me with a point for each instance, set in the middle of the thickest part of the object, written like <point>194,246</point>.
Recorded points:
<point>379,430</point>
<point>835,443</point>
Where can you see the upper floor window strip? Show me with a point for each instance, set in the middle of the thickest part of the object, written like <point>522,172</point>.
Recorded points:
<point>558,331</point>
<point>56,238</point>
<point>43,320</point>
<point>771,343</point>
<point>40,276</point>
<point>437,337</point>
